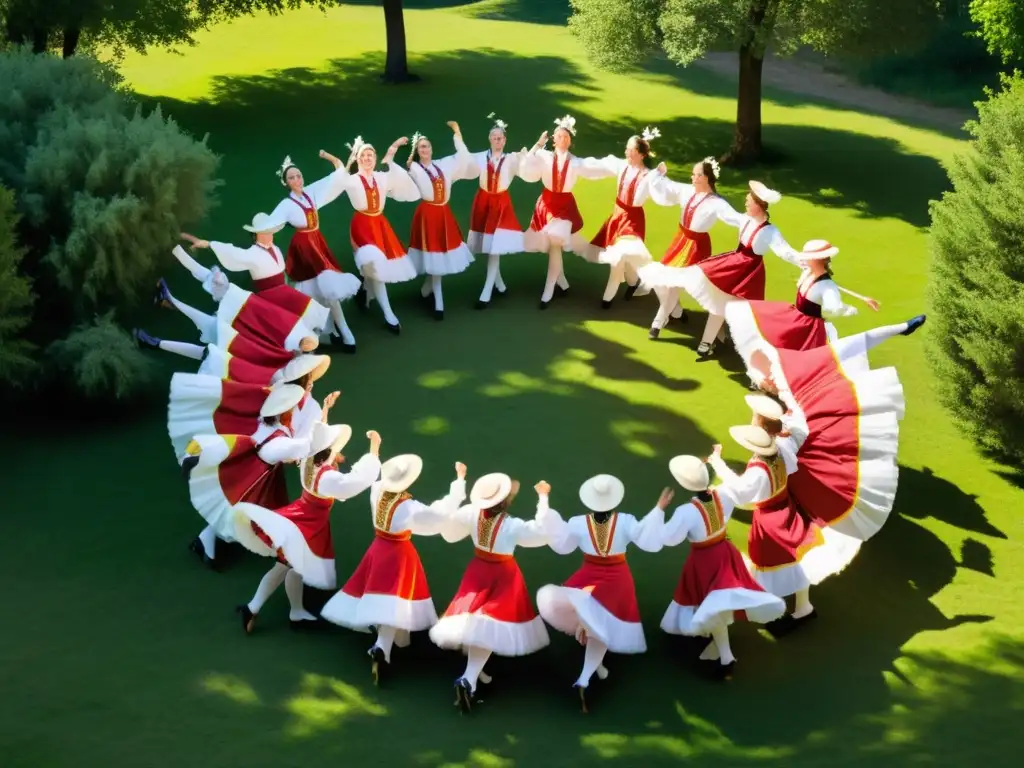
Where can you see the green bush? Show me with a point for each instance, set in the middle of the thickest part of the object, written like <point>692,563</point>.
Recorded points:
<point>103,190</point>
<point>977,278</point>
<point>17,363</point>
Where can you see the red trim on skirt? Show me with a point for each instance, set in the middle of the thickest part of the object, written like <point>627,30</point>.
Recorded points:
<point>710,569</point>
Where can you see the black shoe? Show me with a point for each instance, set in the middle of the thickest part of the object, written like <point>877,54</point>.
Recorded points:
<point>913,324</point>
<point>143,339</point>
<point>196,546</point>
<point>463,695</point>
<point>162,296</point>
<point>377,664</point>
<point>395,329</point>
<point>482,304</point>
<point>581,693</point>
<point>348,349</point>
<point>362,299</point>
<point>630,290</point>
<point>499,292</point>
<point>560,291</point>
<point>605,304</point>
<point>303,625</point>
<point>544,304</point>
<point>439,314</point>
<point>705,350</point>
<point>653,334</point>
<point>787,624</point>
<point>724,671</point>
<point>187,465</point>
<point>248,618</point>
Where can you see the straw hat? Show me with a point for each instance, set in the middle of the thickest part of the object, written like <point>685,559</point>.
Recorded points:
<point>303,364</point>
<point>281,400</point>
<point>262,224</point>
<point>602,493</point>
<point>818,249</point>
<point>754,439</point>
<point>762,192</point>
<point>490,490</point>
<point>399,472</point>
<point>333,436</point>
<point>690,472</point>
<point>763,405</point>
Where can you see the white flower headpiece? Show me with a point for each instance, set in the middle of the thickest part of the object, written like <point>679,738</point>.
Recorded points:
<point>715,169</point>
<point>413,141</point>
<point>498,122</point>
<point>284,166</point>
<point>649,134</point>
<point>567,123</point>
<point>355,148</point>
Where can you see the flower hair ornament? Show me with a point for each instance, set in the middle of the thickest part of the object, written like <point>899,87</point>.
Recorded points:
<point>355,148</point>
<point>650,134</point>
<point>284,167</point>
<point>500,124</point>
<point>413,141</point>
<point>567,123</point>
<point>716,171</point>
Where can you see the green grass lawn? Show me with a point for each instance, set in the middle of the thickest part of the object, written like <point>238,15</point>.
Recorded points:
<point>119,649</point>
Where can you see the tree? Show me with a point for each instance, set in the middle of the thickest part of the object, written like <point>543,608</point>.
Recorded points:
<point>976,285</point>
<point>103,190</point>
<point>619,34</point>
<point>16,299</point>
<point>1002,27</point>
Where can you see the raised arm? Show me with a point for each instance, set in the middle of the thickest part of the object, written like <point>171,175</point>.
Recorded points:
<point>594,168</point>
<point>648,532</point>
<point>431,520</point>
<point>232,258</point>
<point>781,248</point>
<point>752,486</point>
<point>346,485</point>
<point>532,533</point>
<point>461,165</point>
<point>684,521</point>
<point>401,186</point>
<point>330,187</point>
<point>532,162</point>
<point>282,449</point>
<point>726,214</point>
<point>666,192</point>
<point>559,533</point>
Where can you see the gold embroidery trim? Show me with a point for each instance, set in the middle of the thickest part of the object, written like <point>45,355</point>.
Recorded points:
<point>386,507</point>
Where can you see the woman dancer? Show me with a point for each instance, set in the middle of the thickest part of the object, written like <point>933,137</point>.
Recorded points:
<point>620,241</point>
<point>738,274</point>
<point>491,610</point>
<point>556,217</point>
<point>378,252</point>
<point>801,325</point>
<point>310,265</point>
<point>597,604</point>
<point>701,207</point>
<point>299,535</point>
<point>389,589</point>
<point>715,588</point>
<point>435,243</point>
<point>494,229</point>
<point>850,413</point>
<point>223,470</point>
<point>265,265</point>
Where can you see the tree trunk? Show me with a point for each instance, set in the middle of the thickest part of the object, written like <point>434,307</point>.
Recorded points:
<point>396,66</point>
<point>746,142</point>
<point>40,37</point>
<point>71,37</point>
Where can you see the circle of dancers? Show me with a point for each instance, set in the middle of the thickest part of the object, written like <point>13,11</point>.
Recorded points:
<point>823,435</point>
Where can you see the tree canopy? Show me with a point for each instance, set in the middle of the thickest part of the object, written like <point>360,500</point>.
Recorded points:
<point>1002,27</point>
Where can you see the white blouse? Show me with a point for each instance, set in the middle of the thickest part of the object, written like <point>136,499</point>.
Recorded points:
<point>320,193</point>
<point>825,293</point>
<point>507,166</point>
<point>305,416</point>
<point>698,211</point>
<point>281,449</point>
<point>767,237</point>
<point>754,485</point>
<point>538,166</point>
<point>500,534</point>
<point>582,532</point>
<point>687,522</point>
<point>452,168</point>
<point>417,517</point>
<point>394,183</point>
<point>258,261</point>
<point>345,485</point>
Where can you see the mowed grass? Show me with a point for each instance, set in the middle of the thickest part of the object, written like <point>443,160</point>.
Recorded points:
<point>119,649</point>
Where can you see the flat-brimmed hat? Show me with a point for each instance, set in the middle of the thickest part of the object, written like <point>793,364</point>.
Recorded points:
<point>316,365</point>
<point>333,436</point>
<point>761,192</point>
<point>490,490</point>
<point>262,224</point>
<point>281,400</point>
<point>602,493</point>
<point>763,405</point>
<point>690,472</point>
<point>754,439</point>
<point>399,472</point>
<point>818,249</point>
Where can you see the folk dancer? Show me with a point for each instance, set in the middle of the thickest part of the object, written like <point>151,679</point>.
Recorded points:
<point>715,588</point>
<point>435,243</point>
<point>494,229</point>
<point>491,611</point>
<point>597,604</point>
<point>309,263</point>
<point>299,534</point>
<point>389,590</point>
<point>556,218</point>
<point>379,254</point>
<point>700,207</point>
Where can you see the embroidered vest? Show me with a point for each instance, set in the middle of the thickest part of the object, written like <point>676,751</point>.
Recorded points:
<point>372,196</point>
<point>602,535</point>
<point>310,476</point>
<point>487,528</point>
<point>436,183</point>
<point>386,506</point>
<point>776,469</point>
<point>494,173</point>
<point>691,208</point>
<point>312,216</point>
<point>712,514</point>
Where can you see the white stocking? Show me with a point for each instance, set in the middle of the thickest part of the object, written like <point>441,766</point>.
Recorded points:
<point>183,348</point>
<point>427,288</point>
<point>668,298</point>
<point>435,287</point>
<point>802,603</point>
<point>207,324</point>
<point>554,273</point>
<point>198,271</point>
<point>849,346</point>
<point>380,293</point>
<point>209,541</point>
<point>721,636</point>
<point>293,588</point>
<point>339,321</point>
<point>493,275</point>
<point>385,639</point>
<point>629,274</point>
<point>476,659</point>
<point>268,585</point>
<point>615,277</point>
<point>591,660</point>
<point>712,329</point>
<point>499,283</point>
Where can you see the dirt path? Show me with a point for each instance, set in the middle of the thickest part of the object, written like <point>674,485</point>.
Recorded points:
<point>807,78</point>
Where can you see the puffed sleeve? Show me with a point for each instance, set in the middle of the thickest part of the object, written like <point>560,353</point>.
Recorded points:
<point>831,300</point>
<point>561,539</point>
<point>461,165</point>
<point>594,168</point>
<point>345,485</point>
<point>430,520</point>
<point>531,533</point>
<point>752,486</point>
<point>781,248</point>
<point>668,193</point>
<point>531,165</point>
<point>648,532</point>
<point>282,449</point>
<point>679,525</point>
<point>329,188</point>
<point>306,418</point>
<point>476,160</point>
<point>231,257</point>
<point>401,187</point>
<point>459,525</point>
<point>728,215</point>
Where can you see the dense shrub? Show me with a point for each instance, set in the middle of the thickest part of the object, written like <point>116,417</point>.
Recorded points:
<point>16,298</point>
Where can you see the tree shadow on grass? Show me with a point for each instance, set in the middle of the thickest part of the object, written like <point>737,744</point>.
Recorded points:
<point>554,12</point>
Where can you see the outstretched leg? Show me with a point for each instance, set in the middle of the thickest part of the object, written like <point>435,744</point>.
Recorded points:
<point>197,270</point>
<point>183,348</point>
<point>862,342</point>
<point>465,686</point>
<point>268,585</point>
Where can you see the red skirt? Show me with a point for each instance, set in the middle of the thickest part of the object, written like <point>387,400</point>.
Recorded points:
<point>308,256</point>
<point>254,351</point>
<point>785,327</point>
<point>493,211</point>
<point>248,373</point>
<point>257,318</point>
<point>710,568</point>
<point>493,588</point>
<point>737,274</point>
<point>687,248</point>
<point>312,517</point>
<point>625,221</point>
<point>780,535</point>
<point>556,205</point>
<point>238,412</point>
<point>434,229</point>
<point>611,584</point>
<point>274,290</point>
<point>391,566</point>
<point>244,476</point>
<point>375,230</point>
